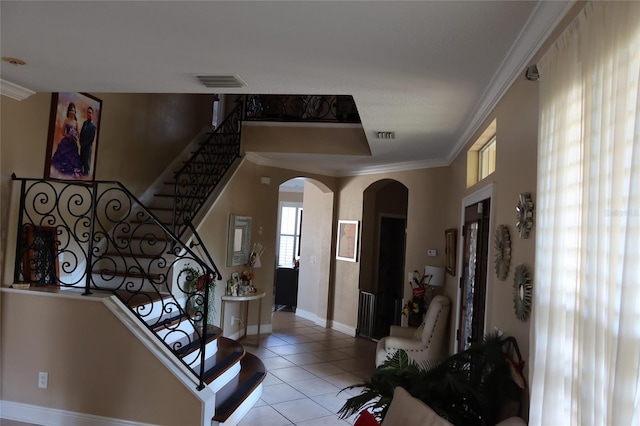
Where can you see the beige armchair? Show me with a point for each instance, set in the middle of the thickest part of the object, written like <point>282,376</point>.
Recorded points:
<point>425,343</point>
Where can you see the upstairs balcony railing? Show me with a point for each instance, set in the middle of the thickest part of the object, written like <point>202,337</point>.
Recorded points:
<point>301,108</point>
<point>97,236</point>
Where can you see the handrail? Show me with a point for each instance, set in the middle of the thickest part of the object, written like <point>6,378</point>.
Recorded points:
<point>196,180</point>
<point>98,232</point>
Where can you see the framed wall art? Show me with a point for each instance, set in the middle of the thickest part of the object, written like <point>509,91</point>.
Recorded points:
<point>74,127</point>
<point>450,238</point>
<point>347,244</point>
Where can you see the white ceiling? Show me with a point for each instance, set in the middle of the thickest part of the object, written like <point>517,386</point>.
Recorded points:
<point>428,70</point>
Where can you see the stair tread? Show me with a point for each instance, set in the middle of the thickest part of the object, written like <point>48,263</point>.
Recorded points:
<point>135,299</point>
<point>231,395</point>
<point>191,343</point>
<point>125,274</point>
<point>229,352</point>
<point>138,255</point>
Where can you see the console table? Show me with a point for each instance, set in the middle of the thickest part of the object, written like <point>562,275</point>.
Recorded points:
<point>244,299</point>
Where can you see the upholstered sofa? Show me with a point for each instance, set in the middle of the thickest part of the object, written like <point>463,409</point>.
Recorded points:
<point>407,410</point>
<point>425,343</point>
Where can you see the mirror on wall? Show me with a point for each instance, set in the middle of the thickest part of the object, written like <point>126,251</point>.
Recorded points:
<point>239,240</point>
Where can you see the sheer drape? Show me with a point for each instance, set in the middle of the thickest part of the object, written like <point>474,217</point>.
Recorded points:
<point>586,316</point>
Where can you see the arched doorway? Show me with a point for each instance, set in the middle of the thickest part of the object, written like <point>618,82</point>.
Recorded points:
<point>309,206</point>
<point>384,219</point>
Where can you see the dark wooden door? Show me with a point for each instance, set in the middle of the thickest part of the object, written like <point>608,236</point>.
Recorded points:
<point>390,274</point>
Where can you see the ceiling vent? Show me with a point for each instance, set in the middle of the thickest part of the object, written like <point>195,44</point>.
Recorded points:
<point>386,135</point>
<point>221,81</point>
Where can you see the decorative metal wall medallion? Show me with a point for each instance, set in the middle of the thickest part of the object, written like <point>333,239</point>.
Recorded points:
<point>502,246</point>
<point>522,292</point>
<point>524,214</point>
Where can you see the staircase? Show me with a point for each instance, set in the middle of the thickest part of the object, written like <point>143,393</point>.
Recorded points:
<point>234,375</point>
<point>110,241</point>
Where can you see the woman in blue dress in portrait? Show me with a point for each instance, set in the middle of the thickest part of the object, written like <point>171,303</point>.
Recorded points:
<point>67,159</point>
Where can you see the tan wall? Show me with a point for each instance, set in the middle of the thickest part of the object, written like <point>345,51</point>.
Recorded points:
<point>316,252</point>
<point>140,134</point>
<point>95,365</point>
<point>517,119</point>
<point>246,196</point>
<point>425,229</point>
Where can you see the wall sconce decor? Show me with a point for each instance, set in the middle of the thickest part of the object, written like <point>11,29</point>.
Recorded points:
<point>524,214</point>
<point>502,246</point>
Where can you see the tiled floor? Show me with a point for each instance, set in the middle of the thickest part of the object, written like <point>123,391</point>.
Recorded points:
<point>308,365</point>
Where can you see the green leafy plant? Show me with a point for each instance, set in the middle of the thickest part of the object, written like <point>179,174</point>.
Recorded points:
<point>467,388</point>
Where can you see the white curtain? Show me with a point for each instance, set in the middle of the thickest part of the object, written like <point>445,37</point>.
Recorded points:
<point>586,314</point>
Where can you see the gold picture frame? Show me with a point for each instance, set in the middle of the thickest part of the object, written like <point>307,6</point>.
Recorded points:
<point>450,238</point>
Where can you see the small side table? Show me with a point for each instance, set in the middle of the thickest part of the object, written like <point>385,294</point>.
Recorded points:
<point>246,299</point>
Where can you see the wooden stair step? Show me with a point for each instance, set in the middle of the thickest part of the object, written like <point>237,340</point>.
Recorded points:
<point>174,195</point>
<point>229,352</point>
<point>136,255</point>
<point>140,298</point>
<point>126,274</point>
<point>191,343</point>
<point>231,395</point>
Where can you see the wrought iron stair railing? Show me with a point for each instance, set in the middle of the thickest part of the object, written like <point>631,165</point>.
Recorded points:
<point>200,175</point>
<point>98,237</point>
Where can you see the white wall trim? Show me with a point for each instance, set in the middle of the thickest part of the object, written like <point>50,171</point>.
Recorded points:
<point>343,328</point>
<point>317,320</point>
<point>13,91</point>
<point>487,191</point>
<point>53,417</point>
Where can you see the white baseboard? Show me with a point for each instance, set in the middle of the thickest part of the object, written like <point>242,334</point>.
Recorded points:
<point>53,417</point>
<point>351,331</point>
<point>252,330</point>
<point>307,315</point>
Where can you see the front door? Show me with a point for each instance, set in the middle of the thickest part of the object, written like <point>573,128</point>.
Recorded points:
<point>474,274</point>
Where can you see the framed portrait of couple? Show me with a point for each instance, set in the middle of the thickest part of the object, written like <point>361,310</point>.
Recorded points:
<point>72,146</point>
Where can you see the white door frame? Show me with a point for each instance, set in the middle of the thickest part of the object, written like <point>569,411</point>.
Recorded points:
<point>473,198</point>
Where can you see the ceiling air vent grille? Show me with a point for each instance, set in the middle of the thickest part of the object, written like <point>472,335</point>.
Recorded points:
<point>221,81</point>
<point>386,135</point>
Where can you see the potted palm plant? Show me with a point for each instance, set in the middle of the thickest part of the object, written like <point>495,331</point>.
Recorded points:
<point>467,388</point>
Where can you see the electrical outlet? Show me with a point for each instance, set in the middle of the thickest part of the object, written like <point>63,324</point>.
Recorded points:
<point>43,380</point>
<point>432,252</point>
<point>410,276</point>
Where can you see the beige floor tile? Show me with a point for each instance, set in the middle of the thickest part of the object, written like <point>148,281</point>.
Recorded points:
<point>276,363</point>
<point>287,349</point>
<point>314,387</point>
<point>280,393</point>
<point>293,374</point>
<point>308,367</point>
<point>264,416</point>
<point>331,355</point>
<point>301,410</point>
<point>303,359</point>
<point>324,369</point>
<point>324,421</point>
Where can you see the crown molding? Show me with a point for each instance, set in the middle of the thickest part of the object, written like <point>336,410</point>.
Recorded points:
<point>14,91</point>
<point>256,158</point>
<point>541,23</point>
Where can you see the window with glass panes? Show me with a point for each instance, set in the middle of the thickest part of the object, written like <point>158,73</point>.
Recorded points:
<point>290,230</point>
